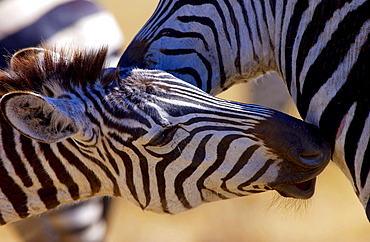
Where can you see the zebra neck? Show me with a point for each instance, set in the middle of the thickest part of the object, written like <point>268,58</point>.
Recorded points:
<point>245,52</point>
<point>219,50</point>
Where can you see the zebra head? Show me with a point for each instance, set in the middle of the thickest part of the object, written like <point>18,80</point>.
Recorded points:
<point>145,135</point>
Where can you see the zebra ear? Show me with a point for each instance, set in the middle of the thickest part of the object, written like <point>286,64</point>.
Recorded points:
<point>44,119</point>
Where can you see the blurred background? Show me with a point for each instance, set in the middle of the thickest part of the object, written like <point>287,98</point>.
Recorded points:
<point>333,214</point>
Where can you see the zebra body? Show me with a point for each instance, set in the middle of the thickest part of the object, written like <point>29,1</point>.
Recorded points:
<point>144,135</point>
<point>77,23</point>
<point>319,48</point>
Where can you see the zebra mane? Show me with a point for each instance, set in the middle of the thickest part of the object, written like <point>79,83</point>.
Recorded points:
<point>47,71</point>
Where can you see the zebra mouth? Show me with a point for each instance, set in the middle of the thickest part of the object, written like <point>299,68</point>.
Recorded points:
<point>302,190</point>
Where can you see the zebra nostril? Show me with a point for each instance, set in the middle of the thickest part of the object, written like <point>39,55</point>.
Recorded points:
<point>316,158</point>
<point>311,159</point>
<point>310,156</point>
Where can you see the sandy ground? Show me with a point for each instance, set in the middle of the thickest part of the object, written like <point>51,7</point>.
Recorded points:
<point>333,214</point>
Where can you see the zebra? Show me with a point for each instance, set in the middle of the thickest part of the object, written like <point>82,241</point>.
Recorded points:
<point>78,23</point>
<point>71,129</point>
<point>57,23</point>
<point>319,48</point>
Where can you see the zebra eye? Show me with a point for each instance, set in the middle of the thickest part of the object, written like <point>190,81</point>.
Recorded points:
<point>163,137</point>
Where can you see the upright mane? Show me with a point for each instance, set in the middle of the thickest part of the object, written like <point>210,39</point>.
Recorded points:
<point>45,70</point>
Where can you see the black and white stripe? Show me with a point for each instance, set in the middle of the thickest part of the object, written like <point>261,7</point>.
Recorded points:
<point>320,49</point>
<point>145,135</point>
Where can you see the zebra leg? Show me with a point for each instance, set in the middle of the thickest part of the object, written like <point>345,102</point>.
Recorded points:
<point>82,221</point>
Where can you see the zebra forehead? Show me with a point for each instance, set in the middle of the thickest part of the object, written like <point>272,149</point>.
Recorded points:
<point>43,69</point>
